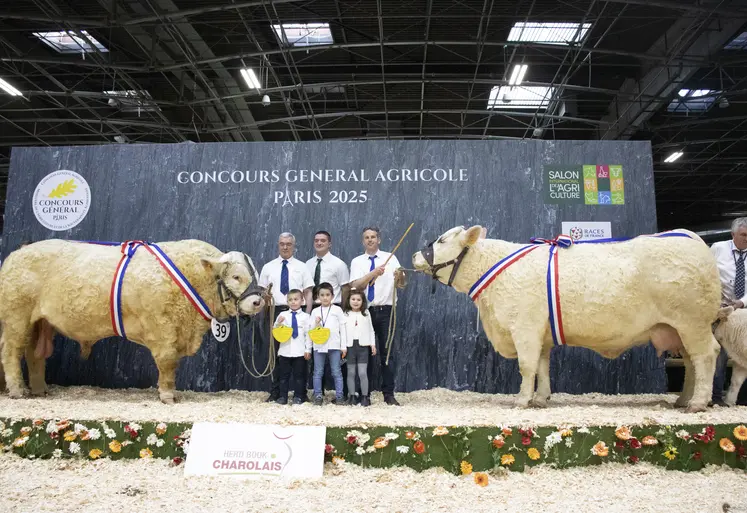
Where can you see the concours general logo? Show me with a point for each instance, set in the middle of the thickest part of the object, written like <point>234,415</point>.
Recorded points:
<point>61,200</point>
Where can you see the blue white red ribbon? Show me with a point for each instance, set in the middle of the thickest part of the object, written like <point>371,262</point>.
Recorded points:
<point>493,272</point>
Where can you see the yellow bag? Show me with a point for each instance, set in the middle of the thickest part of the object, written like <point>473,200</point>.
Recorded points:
<point>319,335</point>
<point>282,333</point>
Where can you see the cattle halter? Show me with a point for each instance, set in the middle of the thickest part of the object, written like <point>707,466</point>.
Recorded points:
<point>427,253</point>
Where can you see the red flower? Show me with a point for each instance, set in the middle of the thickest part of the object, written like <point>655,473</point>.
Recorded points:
<point>54,435</point>
<point>633,459</point>
<point>329,448</point>
<point>697,455</point>
<point>710,431</point>
<point>525,440</point>
<point>177,460</point>
<point>418,447</point>
<point>635,443</point>
<point>351,439</point>
<point>741,452</point>
<point>619,445</point>
<point>526,432</point>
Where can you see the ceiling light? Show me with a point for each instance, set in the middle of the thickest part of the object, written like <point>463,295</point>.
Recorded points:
<point>250,78</point>
<point>672,157</point>
<point>9,88</point>
<point>517,75</point>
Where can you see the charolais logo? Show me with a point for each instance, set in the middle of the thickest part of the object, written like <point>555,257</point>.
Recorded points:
<point>61,200</point>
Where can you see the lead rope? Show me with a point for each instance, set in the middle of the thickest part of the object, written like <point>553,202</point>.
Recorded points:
<point>271,351</point>
<point>393,319</point>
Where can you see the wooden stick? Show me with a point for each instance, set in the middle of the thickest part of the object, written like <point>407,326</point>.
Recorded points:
<point>399,243</point>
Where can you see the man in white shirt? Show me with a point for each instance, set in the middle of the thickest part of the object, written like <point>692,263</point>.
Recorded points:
<point>326,267</point>
<point>367,272</point>
<point>284,274</point>
<point>730,259</point>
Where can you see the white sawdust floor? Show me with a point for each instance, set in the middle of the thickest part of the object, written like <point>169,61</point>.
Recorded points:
<point>152,485</point>
<point>423,408</point>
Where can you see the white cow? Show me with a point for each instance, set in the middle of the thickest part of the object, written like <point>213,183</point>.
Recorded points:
<point>731,332</point>
<point>613,296</point>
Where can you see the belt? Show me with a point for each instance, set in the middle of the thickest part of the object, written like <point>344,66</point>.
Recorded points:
<point>380,307</point>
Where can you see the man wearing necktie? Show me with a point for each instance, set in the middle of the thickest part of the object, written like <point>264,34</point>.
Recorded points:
<point>284,274</point>
<point>730,259</point>
<point>367,272</point>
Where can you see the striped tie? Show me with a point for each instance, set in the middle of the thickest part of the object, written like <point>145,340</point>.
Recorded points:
<point>739,277</point>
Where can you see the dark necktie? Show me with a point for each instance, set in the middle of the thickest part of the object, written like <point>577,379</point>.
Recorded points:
<point>739,277</point>
<point>318,271</point>
<point>294,325</point>
<point>284,287</point>
<point>371,285</point>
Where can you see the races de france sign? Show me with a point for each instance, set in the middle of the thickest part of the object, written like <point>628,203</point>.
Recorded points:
<point>586,184</point>
<point>61,200</point>
<point>253,451</point>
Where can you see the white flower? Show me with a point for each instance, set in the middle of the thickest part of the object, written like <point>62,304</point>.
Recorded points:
<point>661,432</point>
<point>569,442</point>
<point>403,449</point>
<point>185,447</point>
<point>126,443</point>
<point>94,434</point>
<point>110,433</point>
<point>7,433</point>
<point>159,443</point>
<point>152,439</point>
<point>391,436</point>
<point>370,449</point>
<point>21,441</point>
<point>684,435</point>
<point>135,426</point>
<point>583,429</point>
<point>52,427</point>
<point>57,453</point>
<point>552,440</point>
<point>2,425</point>
<point>78,428</point>
<point>360,451</point>
<point>74,448</point>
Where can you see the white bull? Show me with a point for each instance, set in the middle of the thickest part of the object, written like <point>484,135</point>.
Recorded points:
<point>731,333</point>
<point>613,296</point>
<point>67,285</point>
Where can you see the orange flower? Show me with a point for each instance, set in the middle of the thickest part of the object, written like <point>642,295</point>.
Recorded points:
<point>466,468</point>
<point>649,440</point>
<point>146,453</point>
<point>418,447</point>
<point>481,478</point>
<point>507,459</point>
<point>600,449</point>
<point>115,446</point>
<point>533,453</point>
<point>25,431</point>
<point>380,442</point>
<point>440,431</point>
<point>95,454</point>
<point>498,442</point>
<point>566,432</point>
<point>409,435</point>
<point>38,422</point>
<point>740,432</point>
<point>623,433</point>
<point>727,445</point>
<point>507,431</point>
<point>161,428</point>
<point>337,459</point>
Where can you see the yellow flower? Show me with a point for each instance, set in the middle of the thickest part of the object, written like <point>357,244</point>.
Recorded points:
<point>740,432</point>
<point>380,442</point>
<point>727,445</point>
<point>481,478</point>
<point>507,459</point>
<point>623,433</point>
<point>25,431</point>
<point>533,453</point>
<point>440,431</point>
<point>115,446</point>
<point>337,459</point>
<point>146,453</point>
<point>670,453</point>
<point>566,432</point>
<point>600,449</point>
<point>95,454</point>
<point>466,468</point>
<point>161,428</point>
<point>649,440</point>
<point>70,436</point>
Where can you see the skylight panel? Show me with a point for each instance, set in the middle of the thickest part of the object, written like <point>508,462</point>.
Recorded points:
<point>304,34</point>
<point>693,100</point>
<point>520,97</point>
<point>132,101</point>
<point>738,43</point>
<point>68,41</point>
<point>550,33</point>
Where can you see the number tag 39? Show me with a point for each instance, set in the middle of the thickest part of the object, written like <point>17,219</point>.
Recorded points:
<point>220,330</point>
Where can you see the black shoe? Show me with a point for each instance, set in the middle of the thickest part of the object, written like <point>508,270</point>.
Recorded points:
<point>298,400</point>
<point>350,400</point>
<point>391,401</point>
<point>318,401</point>
<point>272,398</point>
<point>281,400</point>
<point>718,402</point>
<point>365,401</point>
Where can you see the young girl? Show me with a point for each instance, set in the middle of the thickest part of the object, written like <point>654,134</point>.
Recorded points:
<point>360,337</point>
<point>329,316</point>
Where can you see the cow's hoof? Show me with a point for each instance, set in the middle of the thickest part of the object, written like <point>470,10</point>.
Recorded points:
<point>523,403</point>
<point>17,393</point>
<point>695,408</point>
<point>539,402</point>
<point>40,393</point>
<point>681,402</point>
<point>167,397</point>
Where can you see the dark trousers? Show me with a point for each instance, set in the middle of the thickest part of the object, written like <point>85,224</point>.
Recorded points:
<point>295,366</point>
<point>719,377</point>
<point>378,370</point>
<point>275,377</point>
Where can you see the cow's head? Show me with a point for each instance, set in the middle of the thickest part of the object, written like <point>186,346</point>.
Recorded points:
<point>238,283</point>
<point>442,257</point>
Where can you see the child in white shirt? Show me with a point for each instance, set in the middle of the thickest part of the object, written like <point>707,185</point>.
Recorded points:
<point>361,340</point>
<point>292,355</point>
<point>329,316</point>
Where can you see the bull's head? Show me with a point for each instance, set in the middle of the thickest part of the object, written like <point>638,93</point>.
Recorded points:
<point>238,283</point>
<point>442,257</point>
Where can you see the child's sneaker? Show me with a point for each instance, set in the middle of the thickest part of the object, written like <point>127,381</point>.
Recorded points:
<point>298,400</point>
<point>281,400</point>
<point>318,400</point>
<point>365,401</point>
<point>339,401</point>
